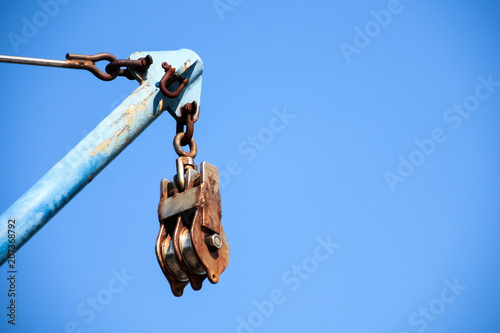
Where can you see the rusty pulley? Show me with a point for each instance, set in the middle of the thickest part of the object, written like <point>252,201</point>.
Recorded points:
<point>191,244</point>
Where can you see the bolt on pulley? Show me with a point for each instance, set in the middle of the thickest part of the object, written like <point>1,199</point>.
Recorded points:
<point>191,243</point>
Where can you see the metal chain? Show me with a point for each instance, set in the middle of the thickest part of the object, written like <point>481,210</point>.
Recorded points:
<point>87,62</point>
<point>189,115</point>
<point>193,150</point>
<point>113,69</point>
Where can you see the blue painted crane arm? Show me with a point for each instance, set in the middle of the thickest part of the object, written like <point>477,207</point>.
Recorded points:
<point>75,170</point>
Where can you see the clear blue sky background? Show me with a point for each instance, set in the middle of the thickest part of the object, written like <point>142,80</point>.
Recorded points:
<point>420,255</point>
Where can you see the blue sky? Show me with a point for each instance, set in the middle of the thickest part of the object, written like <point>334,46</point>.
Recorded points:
<point>365,135</point>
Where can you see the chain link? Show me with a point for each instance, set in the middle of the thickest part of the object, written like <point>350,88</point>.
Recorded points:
<point>189,115</point>
<point>113,69</point>
<point>87,62</point>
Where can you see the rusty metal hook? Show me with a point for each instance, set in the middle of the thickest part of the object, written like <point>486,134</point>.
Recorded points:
<point>88,62</point>
<point>168,79</point>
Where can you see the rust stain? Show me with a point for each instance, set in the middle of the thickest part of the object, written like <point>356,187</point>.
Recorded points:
<point>186,65</point>
<point>128,118</point>
<point>101,147</point>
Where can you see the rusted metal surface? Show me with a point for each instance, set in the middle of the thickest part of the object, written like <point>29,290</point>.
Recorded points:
<point>192,203</point>
<point>113,69</point>
<point>190,114</point>
<point>208,222</point>
<point>191,219</point>
<point>180,202</point>
<point>164,243</point>
<point>169,78</point>
<point>87,62</point>
<point>183,163</point>
<point>82,61</point>
<point>140,65</point>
